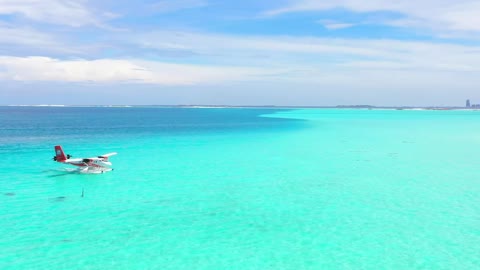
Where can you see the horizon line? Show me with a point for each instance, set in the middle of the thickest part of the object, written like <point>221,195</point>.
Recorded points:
<point>234,106</point>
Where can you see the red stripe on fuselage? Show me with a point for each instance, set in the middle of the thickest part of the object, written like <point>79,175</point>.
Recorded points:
<point>86,165</point>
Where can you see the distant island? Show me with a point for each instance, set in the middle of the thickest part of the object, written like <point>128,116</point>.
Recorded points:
<point>369,107</point>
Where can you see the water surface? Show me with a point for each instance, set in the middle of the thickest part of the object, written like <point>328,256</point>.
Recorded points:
<point>241,189</point>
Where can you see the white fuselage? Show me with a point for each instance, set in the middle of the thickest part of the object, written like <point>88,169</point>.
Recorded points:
<point>91,164</point>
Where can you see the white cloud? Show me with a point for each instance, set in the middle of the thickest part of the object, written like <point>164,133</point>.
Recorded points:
<point>283,52</point>
<point>169,5</point>
<point>65,12</point>
<point>355,69</point>
<point>332,25</point>
<point>231,47</point>
<point>255,58</point>
<point>16,40</point>
<point>24,36</point>
<point>120,71</point>
<point>229,58</point>
<point>442,15</point>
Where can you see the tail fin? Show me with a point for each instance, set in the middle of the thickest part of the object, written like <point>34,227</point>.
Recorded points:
<point>59,154</point>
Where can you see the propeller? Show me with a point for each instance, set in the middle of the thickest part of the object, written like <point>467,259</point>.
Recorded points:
<point>69,156</point>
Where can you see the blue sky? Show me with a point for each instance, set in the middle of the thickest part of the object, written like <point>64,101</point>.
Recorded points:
<point>286,52</point>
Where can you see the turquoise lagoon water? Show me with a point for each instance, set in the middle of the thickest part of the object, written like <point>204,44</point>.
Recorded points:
<point>241,189</point>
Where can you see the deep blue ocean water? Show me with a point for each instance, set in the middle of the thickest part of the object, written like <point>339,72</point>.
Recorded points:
<point>198,188</point>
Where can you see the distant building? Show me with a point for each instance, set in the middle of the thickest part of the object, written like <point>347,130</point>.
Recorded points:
<point>468,103</point>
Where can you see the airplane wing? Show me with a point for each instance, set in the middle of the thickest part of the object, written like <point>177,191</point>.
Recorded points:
<point>108,155</point>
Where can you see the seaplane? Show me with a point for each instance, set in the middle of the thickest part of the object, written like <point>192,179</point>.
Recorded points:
<point>98,164</point>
